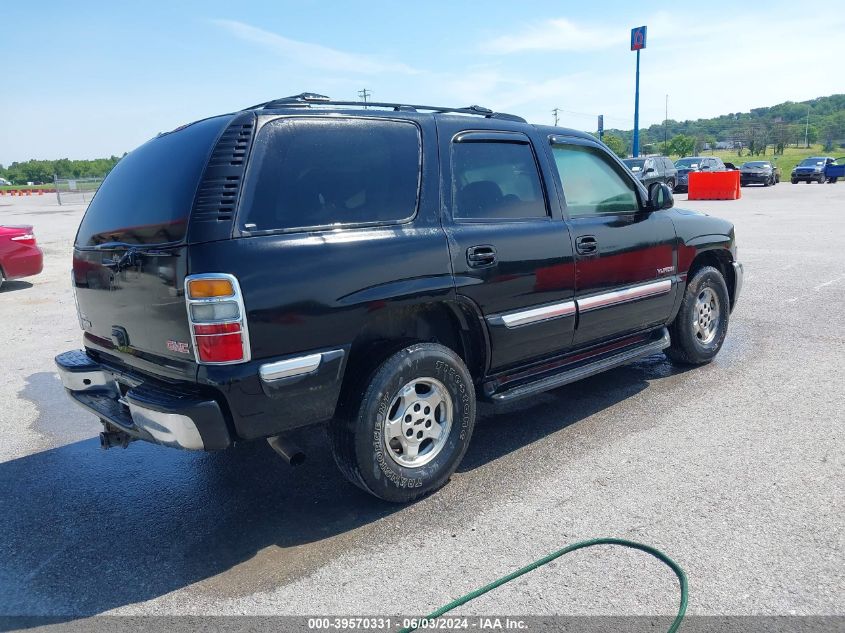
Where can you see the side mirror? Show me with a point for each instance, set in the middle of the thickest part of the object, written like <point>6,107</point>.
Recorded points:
<point>705,168</point>
<point>660,197</point>
<point>650,170</point>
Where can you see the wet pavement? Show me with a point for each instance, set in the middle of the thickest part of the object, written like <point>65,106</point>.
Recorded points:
<point>734,469</point>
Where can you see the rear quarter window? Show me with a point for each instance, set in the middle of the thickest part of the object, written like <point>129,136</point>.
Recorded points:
<point>147,197</point>
<point>309,173</point>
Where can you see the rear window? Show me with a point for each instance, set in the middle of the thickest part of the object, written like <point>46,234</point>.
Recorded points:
<point>147,197</point>
<point>308,173</point>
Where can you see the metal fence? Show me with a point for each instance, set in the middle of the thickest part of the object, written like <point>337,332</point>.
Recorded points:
<point>76,190</point>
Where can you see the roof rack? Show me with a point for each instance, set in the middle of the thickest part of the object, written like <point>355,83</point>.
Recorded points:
<point>309,99</point>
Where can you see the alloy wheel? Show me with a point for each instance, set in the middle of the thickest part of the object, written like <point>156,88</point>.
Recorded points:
<point>417,423</point>
<point>706,316</point>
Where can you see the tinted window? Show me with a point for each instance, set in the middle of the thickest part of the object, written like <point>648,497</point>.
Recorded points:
<point>322,172</point>
<point>688,163</point>
<point>634,164</point>
<point>812,162</point>
<point>147,197</point>
<point>493,180</point>
<point>592,183</point>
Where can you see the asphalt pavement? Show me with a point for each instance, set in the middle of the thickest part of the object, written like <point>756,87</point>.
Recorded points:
<point>734,469</point>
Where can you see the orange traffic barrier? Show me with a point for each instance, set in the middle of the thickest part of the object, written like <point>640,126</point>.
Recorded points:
<point>714,185</point>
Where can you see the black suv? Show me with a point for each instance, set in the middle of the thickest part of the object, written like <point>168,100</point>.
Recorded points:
<point>652,170</point>
<point>310,261</point>
<point>696,163</point>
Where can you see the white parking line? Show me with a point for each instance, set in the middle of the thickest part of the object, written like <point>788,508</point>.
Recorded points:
<point>827,283</point>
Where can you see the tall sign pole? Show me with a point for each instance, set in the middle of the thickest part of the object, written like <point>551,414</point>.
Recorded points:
<point>637,44</point>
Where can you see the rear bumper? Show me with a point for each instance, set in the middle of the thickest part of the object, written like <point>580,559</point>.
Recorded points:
<point>23,262</point>
<point>180,417</point>
<point>223,404</point>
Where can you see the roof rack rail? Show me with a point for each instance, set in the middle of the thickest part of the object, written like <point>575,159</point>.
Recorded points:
<point>307,99</point>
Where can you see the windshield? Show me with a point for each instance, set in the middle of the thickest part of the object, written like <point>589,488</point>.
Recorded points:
<point>634,164</point>
<point>757,164</point>
<point>812,162</point>
<point>689,163</point>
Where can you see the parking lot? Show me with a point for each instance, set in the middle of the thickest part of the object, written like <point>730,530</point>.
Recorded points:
<point>734,469</point>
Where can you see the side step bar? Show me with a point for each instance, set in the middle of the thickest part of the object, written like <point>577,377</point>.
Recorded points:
<point>583,371</point>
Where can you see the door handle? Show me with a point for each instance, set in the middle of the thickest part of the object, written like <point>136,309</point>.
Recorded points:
<point>481,256</point>
<point>586,244</point>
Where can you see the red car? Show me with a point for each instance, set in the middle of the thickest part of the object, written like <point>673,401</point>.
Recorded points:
<point>19,254</point>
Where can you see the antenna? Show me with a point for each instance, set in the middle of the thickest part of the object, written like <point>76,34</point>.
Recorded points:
<point>555,111</point>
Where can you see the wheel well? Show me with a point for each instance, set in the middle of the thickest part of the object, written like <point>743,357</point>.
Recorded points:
<point>721,260</point>
<point>451,325</point>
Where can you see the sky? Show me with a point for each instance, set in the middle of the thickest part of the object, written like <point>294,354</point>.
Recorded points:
<point>92,79</point>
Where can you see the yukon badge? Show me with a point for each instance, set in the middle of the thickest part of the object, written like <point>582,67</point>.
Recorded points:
<point>178,346</point>
<point>667,270</point>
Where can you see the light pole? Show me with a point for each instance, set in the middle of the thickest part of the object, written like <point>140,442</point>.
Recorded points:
<point>637,44</point>
<point>807,130</point>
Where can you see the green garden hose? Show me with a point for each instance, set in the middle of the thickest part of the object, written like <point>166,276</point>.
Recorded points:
<point>472,595</point>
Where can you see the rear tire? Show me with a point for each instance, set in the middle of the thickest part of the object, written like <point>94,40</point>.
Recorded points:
<point>404,435</point>
<point>700,327</point>
<point>671,184</point>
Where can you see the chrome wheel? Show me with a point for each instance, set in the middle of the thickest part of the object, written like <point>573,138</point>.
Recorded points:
<point>706,316</point>
<point>418,422</point>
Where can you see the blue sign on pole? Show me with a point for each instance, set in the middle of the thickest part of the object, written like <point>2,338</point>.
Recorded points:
<point>637,44</point>
<point>638,38</point>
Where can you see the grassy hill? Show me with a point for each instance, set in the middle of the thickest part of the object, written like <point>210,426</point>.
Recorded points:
<point>762,130</point>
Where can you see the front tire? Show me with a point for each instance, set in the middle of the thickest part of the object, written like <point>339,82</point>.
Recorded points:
<point>405,435</point>
<point>700,327</point>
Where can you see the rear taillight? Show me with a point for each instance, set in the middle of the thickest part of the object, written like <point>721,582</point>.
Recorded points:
<point>218,319</point>
<point>26,238</point>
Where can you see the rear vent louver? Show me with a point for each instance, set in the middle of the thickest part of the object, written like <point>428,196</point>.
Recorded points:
<point>221,183</point>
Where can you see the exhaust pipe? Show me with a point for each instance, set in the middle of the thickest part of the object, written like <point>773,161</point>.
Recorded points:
<point>291,453</point>
<point>111,439</point>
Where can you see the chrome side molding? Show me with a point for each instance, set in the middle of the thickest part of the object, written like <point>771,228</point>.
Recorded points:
<point>625,295</point>
<point>290,367</point>
<point>569,308</point>
<point>526,317</point>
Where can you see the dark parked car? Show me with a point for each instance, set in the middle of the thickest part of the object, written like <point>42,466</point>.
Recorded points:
<point>759,172</point>
<point>20,255</point>
<point>811,169</point>
<point>695,163</point>
<point>652,170</point>
<point>377,271</point>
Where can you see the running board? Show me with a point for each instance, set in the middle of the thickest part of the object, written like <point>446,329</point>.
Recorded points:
<point>583,371</point>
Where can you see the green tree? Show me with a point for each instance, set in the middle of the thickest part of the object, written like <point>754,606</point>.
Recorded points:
<point>681,145</point>
<point>616,145</point>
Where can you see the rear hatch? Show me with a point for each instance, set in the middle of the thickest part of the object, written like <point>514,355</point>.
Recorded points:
<point>130,254</point>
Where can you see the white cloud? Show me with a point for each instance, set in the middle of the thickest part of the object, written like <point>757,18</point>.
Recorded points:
<point>558,34</point>
<point>306,54</point>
